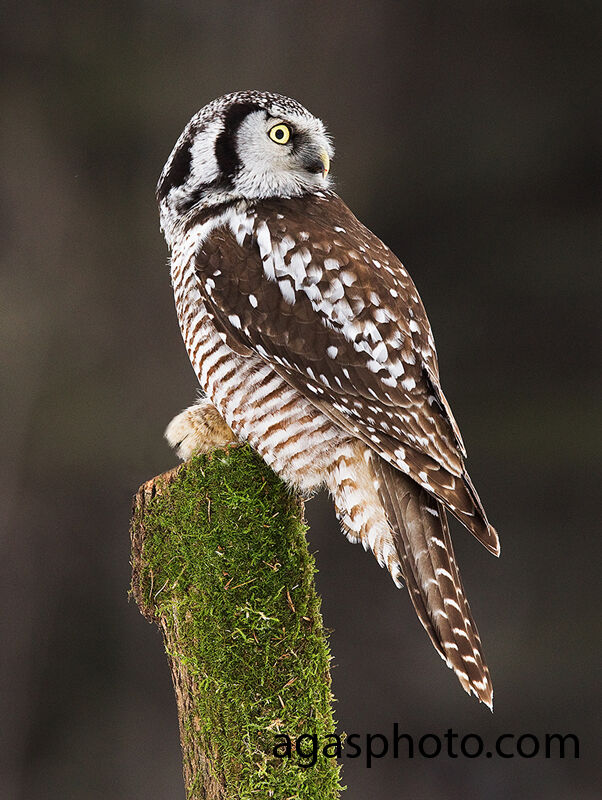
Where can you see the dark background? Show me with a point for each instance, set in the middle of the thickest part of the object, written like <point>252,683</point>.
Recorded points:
<point>466,139</point>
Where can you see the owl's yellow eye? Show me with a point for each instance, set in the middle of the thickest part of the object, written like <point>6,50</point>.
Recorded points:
<point>280,133</point>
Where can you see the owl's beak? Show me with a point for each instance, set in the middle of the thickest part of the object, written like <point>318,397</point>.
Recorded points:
<point>325,159</point>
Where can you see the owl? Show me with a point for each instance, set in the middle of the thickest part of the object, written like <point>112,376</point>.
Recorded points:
<point>310,342</point>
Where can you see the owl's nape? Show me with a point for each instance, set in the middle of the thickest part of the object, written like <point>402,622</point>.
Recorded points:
<point>311,343</point>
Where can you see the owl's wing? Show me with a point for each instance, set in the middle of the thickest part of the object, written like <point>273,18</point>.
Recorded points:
<point>302,283</point>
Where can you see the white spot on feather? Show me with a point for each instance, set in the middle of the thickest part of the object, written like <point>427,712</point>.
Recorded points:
<point>287,291</point>
<point>348,277</point>
<point>441,571</point>
<point>380,352</point>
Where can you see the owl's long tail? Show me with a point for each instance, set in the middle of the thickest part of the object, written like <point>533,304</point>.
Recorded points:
<point>424,546</point>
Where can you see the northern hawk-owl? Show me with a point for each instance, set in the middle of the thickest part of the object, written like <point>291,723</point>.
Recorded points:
<point>311,343</point>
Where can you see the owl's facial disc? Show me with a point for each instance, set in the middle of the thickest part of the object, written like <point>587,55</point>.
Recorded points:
<point>283,155</point>
<point>247,145</point>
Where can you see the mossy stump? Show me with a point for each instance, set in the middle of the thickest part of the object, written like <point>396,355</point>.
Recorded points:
<point>220,563</point>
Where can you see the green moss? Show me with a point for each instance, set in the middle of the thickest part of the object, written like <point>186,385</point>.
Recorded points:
<point>225,564</point>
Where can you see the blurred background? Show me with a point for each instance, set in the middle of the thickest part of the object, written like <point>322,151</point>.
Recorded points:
<point>466,139</point>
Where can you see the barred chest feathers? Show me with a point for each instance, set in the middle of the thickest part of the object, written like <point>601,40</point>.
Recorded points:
<point>261,407</point>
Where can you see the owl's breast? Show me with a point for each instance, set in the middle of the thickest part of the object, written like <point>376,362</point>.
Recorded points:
<point>289,432</point>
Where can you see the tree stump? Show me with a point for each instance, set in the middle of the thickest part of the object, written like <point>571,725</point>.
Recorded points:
<point>220,563</point>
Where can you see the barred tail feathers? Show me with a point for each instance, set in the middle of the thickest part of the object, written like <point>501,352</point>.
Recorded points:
<point>421,534</point>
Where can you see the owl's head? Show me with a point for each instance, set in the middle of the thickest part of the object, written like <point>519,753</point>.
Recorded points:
<point>245,145</point>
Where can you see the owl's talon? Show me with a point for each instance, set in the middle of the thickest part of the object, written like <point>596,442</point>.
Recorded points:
<point>198,429</point>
